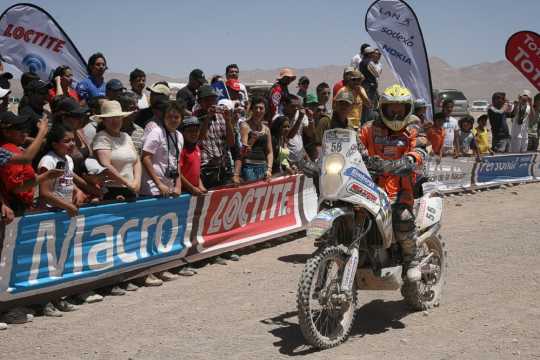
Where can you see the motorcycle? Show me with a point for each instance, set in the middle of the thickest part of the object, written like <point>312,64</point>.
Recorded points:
<point>356,246</point>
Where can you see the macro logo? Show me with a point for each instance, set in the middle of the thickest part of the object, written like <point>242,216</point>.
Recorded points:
<point>34,63</point>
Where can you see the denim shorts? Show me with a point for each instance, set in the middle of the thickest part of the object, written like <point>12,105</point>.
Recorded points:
<point>253,172</point>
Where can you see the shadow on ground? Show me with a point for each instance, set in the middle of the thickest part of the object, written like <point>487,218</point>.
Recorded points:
<point>374,318</point>
<point>295,258</point>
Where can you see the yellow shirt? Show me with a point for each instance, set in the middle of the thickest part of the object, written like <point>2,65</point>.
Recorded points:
<point>482,140</point>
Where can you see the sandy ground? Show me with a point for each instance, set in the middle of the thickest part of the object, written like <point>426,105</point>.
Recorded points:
<point>247,310</point>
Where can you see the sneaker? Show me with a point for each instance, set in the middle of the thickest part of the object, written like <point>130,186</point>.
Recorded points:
<point>90,297</point>
<point>185,271</point>
<point>152,280</point>
<point>219,260</point>
<point>234,257</point>
<point>15,316</point>
<point>117,291</point>
<point>131,287</point>
<point>50,310</point>
<point>167,276</point>
<point>64,306</point>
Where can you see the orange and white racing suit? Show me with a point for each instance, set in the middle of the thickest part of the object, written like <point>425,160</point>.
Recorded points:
<point>380,141</point>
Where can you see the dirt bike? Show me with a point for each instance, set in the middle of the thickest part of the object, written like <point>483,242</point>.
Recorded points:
<point>356,246</point>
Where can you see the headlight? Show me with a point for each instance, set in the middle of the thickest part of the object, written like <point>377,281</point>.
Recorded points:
<point>334,164</point>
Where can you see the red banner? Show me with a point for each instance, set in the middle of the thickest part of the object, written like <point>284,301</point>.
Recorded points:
<point>523,50</point>
<point>249,213</point>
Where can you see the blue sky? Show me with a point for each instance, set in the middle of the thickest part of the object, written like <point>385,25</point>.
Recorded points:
<point>172,37</point>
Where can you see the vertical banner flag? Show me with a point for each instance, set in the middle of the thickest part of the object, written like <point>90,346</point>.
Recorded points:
<point>31,40</point>
<point>523,51</point>
<point>221,90</point>
<point>394,27</point>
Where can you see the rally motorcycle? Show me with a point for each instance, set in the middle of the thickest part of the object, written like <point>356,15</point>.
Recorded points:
<point>356,246</point>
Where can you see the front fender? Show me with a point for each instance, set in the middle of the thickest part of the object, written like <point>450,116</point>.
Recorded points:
<point>324,221</point>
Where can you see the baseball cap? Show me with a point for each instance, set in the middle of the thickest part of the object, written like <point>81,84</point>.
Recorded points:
<point>9,120</point>
<point>197,74</point>
<point>37,85</point>
<point>229,104</point>
<point>348,69</point>
<point>369,50</point>
<point>312,99</point>
<point>70,106</point>
<point>160,88</point>
<point>525,93</point>
<point>206,91</point>
<point>345,96</point>
<point>114,85</point>
<point>190,121</point>
<point>286,72</point>
<point>356,74</point>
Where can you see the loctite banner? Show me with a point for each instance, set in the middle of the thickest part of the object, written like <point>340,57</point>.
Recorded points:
<point>394,27</point>
<point>523,51</point>
<point>31,40</point>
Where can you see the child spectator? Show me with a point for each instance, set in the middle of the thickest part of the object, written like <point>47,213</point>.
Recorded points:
<point>190,157</point>
<point>115,150</point>
<point>59,192</point>
<point>435,135</point>
<point>161,155</point>
<point>481,136</point>
<point>464,141</point>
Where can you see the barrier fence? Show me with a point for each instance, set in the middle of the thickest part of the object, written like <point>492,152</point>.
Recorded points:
<point>48,252</point>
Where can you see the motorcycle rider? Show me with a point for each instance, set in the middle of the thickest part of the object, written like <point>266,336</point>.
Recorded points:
<point>393,156</point>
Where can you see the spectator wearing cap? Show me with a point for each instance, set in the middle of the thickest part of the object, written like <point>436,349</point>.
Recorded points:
<point>216,137</point>
<point>368,67</point>
<point>94,84</point>
<point>113,89</point>
<point>303,86</point>
<point>232,73</point>
<point>521,114</point>
<point>37,93</point>
<point>346,76</point>
<point>360,98</point>
<point>315,113</point>
<point>323,95</point>
<point>357,59</point>
<point>62,83</point>
<point>343,105</point>
<point>68,112</point>
<point>280,91</point>
<point>159,96</point>
<point>190,157</point>
<point>128,101</point>
<point>115,150</point>
<point>137,79</point>
<point>188,94</point>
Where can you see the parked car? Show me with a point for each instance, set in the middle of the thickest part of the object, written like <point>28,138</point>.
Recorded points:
<point>461,104</point>
<point>479,106</point>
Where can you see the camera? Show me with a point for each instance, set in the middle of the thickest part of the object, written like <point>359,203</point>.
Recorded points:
<point>61,165</point>
<point>172,174</point>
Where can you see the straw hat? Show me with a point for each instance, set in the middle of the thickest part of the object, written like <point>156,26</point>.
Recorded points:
<point>110,109</point>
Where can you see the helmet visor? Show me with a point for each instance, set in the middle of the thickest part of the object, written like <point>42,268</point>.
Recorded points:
<point>395,111</point>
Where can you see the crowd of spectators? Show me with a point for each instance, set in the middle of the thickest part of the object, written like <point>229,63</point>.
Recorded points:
<point>69,146</point>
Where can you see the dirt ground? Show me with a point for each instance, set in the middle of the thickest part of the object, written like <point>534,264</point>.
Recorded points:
<point>247,309</point>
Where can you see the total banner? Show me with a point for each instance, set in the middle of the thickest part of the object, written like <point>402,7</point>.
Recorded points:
<point>48,251</point>
<point>523,51</point>
<point>31,40</point>
<point>394,27</point>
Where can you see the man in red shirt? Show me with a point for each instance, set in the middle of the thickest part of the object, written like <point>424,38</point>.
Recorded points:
<point>190,157</point>
<point>280,91</point>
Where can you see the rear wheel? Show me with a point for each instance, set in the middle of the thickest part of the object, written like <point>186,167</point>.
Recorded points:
<point>325,313</point>
<point>427,292</point>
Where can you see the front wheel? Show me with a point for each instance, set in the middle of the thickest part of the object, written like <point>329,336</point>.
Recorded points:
<point>427,293</point>
<point>325,313</point>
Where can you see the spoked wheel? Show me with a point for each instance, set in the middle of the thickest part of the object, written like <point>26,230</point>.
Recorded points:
<point>325,313</point>
<point>427,292</point>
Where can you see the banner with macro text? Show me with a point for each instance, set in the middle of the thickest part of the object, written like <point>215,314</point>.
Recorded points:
<point>31,40</point>
<point>394,27</point>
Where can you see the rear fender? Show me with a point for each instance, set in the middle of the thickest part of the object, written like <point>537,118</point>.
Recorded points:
<point>324,221</point>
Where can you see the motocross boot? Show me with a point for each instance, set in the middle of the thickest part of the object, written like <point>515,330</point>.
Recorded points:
<point>411,258</point>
